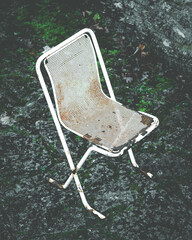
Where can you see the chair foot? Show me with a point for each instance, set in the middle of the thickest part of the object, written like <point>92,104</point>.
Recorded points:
<point>63,186</point>
<point>133,161</point>
<point>148,174</point>
<point>101,216</point>
<point>82,195</point>
<point>132,158</point>
<point>56,183</point>
<point>83,198</point>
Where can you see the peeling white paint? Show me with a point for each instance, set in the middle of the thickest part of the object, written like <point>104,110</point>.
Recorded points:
<point>150,175</point>
<point>51,180</point>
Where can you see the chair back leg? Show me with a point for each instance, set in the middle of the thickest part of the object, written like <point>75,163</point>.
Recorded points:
<point>133,161</point>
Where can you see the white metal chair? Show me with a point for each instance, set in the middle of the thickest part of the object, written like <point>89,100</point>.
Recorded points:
<point>84,109</point>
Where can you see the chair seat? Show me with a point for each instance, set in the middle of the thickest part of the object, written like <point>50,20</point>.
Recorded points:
<point>82,106</point>
<point>109,124</point>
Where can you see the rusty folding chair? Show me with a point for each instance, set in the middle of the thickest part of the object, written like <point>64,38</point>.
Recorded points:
<point>84,109</point>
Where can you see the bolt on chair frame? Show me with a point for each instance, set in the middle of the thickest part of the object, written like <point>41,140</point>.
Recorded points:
<point>56,119</point>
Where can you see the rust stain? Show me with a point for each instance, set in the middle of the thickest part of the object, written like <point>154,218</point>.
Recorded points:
<point>60,100</point>
<point>59,92</point>
<point>95,140</point>
<point>143,132</point>
<point>57,184</point>
<point>87,136</point>
<point>145,119</point>
<point>60,185</point>
<point>64,115</point>
<point>95,92</point>
<point>71,113</point>
<point>74,112</point>
<point>144,172</point>
<point>141,47</point>
<point>89,209</point>
<point>74,171</point>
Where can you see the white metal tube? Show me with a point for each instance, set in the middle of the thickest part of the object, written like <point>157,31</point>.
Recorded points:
<point>85,156</point>
<point>132,158</point>
<point>136,165</point>
<point>83,198</point>
<point>81,162</point>
<point>103,68</point>
<point>96,45</point>
<point>53,113</point>
<point>66,184</point>
<point>79,165</point>
<point>109,154</point>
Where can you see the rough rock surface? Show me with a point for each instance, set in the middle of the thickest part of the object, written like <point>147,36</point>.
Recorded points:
<point>136,207</point>
<point>164,26</point>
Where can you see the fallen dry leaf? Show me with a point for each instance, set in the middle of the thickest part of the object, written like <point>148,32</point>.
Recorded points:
<point>141,47</point>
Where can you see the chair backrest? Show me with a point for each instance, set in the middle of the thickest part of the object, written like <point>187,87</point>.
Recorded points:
<point>75,80</point>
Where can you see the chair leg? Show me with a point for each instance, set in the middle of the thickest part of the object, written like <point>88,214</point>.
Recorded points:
<point>81,162</point>
<point>70,178</point>
<point>82,195</point>
<point>79,165</point>
<point>78,184</point>
<point>133,161</point>
<point>83,198</point>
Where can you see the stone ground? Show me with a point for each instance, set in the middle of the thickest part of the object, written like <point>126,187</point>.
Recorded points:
<point>136,207</point>
<point>164,25</point>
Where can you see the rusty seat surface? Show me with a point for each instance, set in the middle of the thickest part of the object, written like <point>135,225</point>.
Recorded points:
<point>81,104</point>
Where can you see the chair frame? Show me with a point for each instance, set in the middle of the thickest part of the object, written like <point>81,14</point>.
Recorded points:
<point>58,123</point>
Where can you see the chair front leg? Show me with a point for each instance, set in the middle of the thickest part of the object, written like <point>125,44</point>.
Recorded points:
<point>133,161</point>
<point>70,178</point>
<point>81,193</point>
<point>79,165</point>
<point>83,198</point>
<point>85,156</point>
